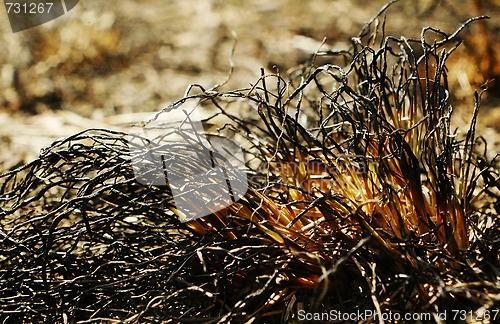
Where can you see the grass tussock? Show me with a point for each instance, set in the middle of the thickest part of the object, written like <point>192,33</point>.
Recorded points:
<point>362,197</point>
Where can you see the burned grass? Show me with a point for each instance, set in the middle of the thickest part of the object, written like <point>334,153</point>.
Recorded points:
<point>361,196</point>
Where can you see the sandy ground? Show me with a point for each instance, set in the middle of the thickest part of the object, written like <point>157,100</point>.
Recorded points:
<point>104,64</point>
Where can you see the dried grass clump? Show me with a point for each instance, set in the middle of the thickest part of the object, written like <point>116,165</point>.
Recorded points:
<point>362,197</point>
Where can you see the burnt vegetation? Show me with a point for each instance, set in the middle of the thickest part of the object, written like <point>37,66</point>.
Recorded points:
<point>361,196</point>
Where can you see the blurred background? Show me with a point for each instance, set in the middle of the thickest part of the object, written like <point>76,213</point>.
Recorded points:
<point>109,64</point>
